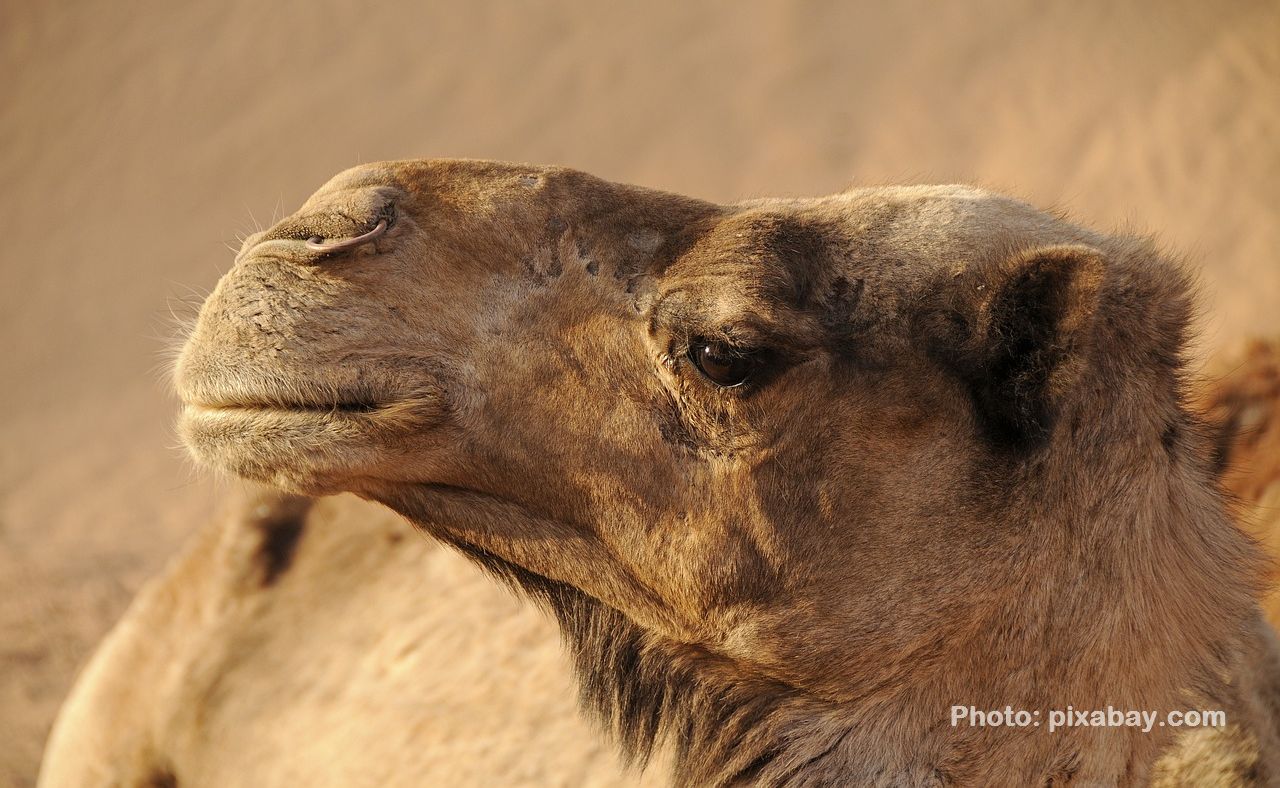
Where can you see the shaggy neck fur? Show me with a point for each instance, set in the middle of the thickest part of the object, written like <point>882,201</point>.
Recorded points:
<point>726,727</point>
<point>1159,627</point>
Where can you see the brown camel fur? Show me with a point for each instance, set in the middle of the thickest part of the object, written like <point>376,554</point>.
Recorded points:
<point>1244,404</point>
<point>795,477</point>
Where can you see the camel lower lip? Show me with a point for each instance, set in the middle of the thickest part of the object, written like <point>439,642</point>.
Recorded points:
<point>306,450</point>
<point>259,424</point>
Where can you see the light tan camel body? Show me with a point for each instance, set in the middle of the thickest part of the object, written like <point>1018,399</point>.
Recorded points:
<point>376,658</point>
<point>796,478</point>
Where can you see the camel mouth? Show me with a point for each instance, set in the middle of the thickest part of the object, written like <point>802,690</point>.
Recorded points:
<point>354,410</point>
<point>303,435</point>
<point>306,447</point>
<point>224,426</point>
<point>250,407</point>
<point>280,397</point>
<point>223,393</point>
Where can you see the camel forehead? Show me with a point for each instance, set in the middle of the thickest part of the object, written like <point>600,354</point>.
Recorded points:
<point>935,204</point>
<point>914,229</point>
<point>461,181</point>
<point>416,175</point>
<point>420,171</point>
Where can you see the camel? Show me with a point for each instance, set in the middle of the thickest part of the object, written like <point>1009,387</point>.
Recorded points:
<point>797,479</point>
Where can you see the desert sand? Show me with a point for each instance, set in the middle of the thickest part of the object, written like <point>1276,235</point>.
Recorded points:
<point>137,141</point>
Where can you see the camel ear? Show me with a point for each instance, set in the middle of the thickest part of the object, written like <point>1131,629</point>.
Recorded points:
<point>1025,327</point>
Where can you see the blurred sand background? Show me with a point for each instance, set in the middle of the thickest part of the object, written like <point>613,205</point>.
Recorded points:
<point>137,140</point>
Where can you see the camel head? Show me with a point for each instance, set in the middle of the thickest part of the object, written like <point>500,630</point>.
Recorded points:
<point>848,448</point>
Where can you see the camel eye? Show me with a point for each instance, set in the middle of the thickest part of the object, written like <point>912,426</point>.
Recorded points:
<point>722,365</point>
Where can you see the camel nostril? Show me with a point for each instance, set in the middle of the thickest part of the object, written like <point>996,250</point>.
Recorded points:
<point>317,243</point>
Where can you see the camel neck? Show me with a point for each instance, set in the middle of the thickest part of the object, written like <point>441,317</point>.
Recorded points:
<point>724,724</point>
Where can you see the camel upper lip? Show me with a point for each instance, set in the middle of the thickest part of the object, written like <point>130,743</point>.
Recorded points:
<point>342,405</point>
<point>280,395</point>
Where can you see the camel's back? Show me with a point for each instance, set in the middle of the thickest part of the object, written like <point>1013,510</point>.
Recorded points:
<point>334,646</point>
